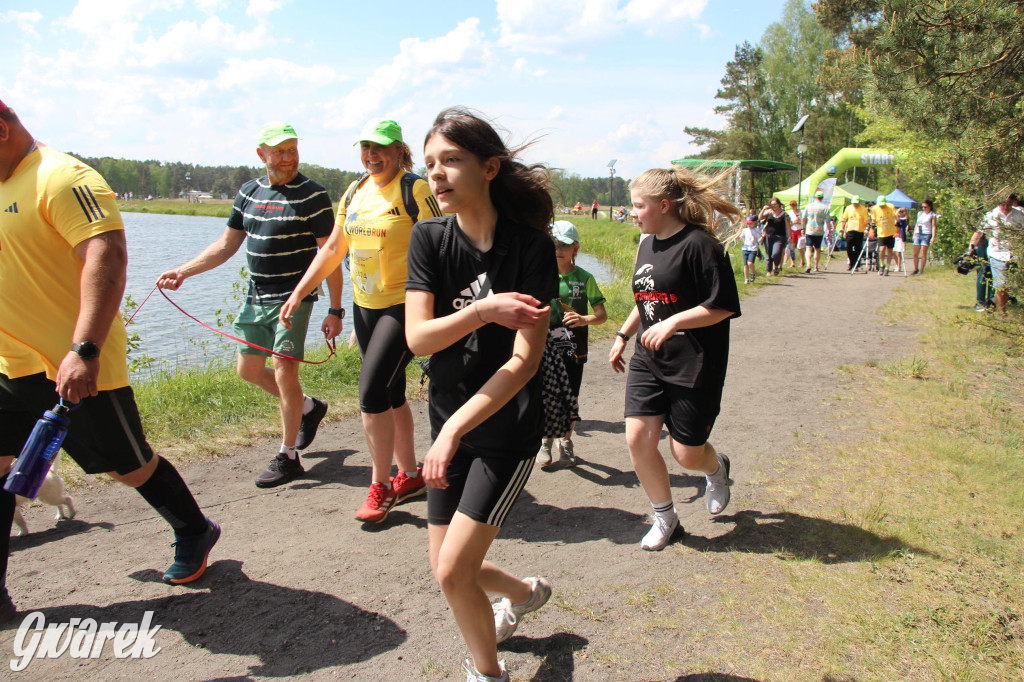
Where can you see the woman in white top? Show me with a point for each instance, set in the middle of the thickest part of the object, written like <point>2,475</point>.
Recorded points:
<point>924,233</point>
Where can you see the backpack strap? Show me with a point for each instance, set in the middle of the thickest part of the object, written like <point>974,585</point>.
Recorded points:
<point>408,198</point>
<point>408,180</point>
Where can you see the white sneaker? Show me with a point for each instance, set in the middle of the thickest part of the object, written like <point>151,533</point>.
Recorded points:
<point>718,491</point>
<point>661,532</point>
<point>507,614</point>
<point>544,454</point>
<point>473,676</point>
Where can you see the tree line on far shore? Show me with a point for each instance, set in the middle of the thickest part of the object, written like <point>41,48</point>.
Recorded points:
<point>171,180</point>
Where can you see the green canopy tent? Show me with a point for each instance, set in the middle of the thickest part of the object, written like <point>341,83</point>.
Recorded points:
<point>864,192</point>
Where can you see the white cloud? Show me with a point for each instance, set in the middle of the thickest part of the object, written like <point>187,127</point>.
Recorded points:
<point>542,26</point>
<point>659,12</point>
<point>437,66</point>
<point>556,112</point>
<point>25,21</point>
<point>210,6</point>
<point>255,74</point>
<point>261,8</point>
<point>187,41</point>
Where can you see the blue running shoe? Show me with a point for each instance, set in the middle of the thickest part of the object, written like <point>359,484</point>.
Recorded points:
<point>190,554</point>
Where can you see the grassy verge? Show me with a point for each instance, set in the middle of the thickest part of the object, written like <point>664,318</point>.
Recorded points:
<point>904,548</point>
<point>217,208</point>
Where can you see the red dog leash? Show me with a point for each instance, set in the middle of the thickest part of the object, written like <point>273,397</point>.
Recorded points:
<point>331,344</point>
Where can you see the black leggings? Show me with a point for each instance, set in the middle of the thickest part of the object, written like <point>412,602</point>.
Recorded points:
<point>774,246</point>
<point>381,338</point>
<point>854,244</point>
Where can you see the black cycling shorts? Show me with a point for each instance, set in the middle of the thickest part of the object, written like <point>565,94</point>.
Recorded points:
<point>482,488</point>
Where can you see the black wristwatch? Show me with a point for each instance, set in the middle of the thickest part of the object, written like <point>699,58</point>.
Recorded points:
<point>87,350</point>
<point>624,337</point>
<point>340,312</point>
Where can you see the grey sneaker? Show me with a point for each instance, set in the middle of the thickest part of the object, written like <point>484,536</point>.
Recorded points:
<point>661,532</point>
<point>718,491</point>
<point>567,452</point>
<point>281,470</point>
<point>473,676</point>
<point>544,454</point>
<point>507,614</point>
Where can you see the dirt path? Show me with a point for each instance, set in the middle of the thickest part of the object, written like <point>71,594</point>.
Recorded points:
<point>298,589</point>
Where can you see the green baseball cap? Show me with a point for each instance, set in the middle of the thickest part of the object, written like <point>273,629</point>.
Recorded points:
<point>565,232</point>
<point>274,133</point>
<point>881,200</point>
<point>819,194</point>
<point>855,199</point>
<point>383,131</point>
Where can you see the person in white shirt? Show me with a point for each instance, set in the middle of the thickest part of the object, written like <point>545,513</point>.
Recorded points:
<point>1005,215</point>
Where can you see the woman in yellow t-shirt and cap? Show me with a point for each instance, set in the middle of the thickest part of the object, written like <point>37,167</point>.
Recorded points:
<point>373,225</point>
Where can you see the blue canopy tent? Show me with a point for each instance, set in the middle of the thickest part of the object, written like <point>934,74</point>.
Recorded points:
<point>900,200</point>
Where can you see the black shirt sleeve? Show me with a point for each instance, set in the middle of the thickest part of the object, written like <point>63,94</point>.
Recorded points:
<point>422,256</point>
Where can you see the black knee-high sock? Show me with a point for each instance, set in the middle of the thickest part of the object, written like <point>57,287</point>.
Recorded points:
<point>169,495</point>
<point>6,519</point>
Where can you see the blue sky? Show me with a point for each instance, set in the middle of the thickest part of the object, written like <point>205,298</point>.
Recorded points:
<point>192,80</point>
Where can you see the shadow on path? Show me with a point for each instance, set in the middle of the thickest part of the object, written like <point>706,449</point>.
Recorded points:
<point>792,536</point>
<point>291,631</point>
<point>555,651</point>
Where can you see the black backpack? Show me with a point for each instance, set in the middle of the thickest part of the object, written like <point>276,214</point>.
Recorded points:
<point>407,197</point>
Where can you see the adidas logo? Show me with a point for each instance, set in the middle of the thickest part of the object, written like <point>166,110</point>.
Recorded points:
<point>470,293</point>
<point>13,208</point>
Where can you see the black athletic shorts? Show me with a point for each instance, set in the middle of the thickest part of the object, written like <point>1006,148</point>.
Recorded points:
<point>380,334</point>
<point>105,432</point>
<point>689,412</point>
<point>887,242</point>
<point>482,488</point>
<point>813,240</point>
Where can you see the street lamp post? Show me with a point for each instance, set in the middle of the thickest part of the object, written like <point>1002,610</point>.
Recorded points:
<point>801,149</point>
<point>611,189</point>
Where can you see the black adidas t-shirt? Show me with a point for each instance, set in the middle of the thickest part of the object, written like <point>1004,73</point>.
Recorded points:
<point>522,260</point>
<point>671,275</point>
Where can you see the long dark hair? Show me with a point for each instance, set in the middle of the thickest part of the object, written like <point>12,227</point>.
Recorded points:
<point>521,193</point>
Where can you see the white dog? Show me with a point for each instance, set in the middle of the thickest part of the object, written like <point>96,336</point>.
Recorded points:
<point>50,492</point>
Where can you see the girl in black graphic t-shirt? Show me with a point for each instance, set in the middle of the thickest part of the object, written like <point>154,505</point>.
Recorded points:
<point>482,272</point>
<point>685,293</point>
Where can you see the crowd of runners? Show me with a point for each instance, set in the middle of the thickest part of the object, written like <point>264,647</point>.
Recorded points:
<point>467,266</point>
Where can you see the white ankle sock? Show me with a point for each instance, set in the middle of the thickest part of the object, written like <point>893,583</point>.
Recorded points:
<point>307,404</point>
<point>664,508</point>
<point>289,450</point>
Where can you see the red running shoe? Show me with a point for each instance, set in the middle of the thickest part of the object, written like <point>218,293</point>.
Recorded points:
<point>379,502</point>
<point>406,488</point>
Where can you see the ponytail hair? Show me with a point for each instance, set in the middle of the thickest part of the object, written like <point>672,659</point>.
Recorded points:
<point>691,193</point>
<point>404,156</point>
<point>521,193</point>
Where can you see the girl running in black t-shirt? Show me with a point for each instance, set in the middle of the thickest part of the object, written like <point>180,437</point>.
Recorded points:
<point>477,279</point>
<point>685,293</point>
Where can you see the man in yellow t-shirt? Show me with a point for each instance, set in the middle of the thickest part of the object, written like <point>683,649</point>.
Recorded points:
<point>884,216</point>
<point>852,227</point>
<point>62,262</point>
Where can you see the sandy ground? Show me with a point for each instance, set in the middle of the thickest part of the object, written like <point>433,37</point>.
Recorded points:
<point>298,589</point>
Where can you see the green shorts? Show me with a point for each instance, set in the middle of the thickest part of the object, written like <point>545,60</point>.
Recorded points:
<point>258,324</point>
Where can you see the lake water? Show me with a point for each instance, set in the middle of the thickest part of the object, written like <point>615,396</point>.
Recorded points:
<point>157,243</point>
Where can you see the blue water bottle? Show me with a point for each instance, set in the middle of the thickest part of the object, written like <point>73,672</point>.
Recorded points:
<point>36,457</point>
